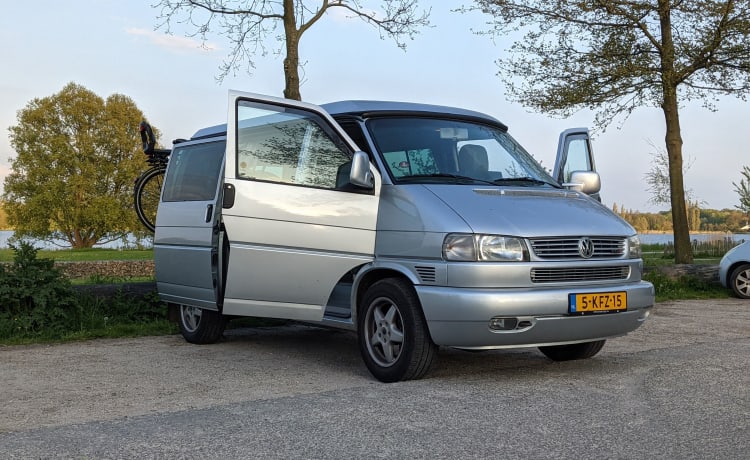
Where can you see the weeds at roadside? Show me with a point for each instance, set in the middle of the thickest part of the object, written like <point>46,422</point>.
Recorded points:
<point>107,279</point>
<point>684,287</point>
<point>38,304</point>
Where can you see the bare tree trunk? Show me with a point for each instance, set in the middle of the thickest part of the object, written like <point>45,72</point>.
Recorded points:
<point>683,249</point>
<point>291,61</point>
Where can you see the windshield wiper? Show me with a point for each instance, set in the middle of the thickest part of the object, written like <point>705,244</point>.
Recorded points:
<point>456,177</point>
<point>522,180</point>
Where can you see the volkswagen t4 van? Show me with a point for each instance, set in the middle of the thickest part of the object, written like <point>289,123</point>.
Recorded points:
<point>417,226</point>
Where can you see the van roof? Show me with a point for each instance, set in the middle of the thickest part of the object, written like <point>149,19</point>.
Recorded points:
<point>371,109</point>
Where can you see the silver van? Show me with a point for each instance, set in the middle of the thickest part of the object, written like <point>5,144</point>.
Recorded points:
<point>417,226</point>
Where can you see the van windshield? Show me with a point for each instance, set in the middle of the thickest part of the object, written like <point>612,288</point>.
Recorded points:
<point>430,150</point>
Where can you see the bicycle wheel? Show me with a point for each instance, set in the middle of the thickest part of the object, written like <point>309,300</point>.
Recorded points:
<point>146,195</point>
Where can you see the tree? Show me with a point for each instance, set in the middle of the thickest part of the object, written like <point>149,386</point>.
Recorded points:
<point>743,190</point>
<point>249,26</point>
<point>613,56</point>
<point>76,157</point>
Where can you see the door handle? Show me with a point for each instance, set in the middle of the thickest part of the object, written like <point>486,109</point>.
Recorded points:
<point>209,212</point>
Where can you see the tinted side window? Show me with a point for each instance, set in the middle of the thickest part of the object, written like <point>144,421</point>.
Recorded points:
<point>194,172</point>
<point>289,146</point>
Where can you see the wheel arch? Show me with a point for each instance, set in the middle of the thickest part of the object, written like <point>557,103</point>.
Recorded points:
<point>371,275</point>
<point>732,268</point>
<point>738,287</point>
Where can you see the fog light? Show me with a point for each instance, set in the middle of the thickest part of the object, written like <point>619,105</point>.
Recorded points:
<point>503,324</point>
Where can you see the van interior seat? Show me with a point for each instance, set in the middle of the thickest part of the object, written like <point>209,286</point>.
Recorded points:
<point>472,161</point>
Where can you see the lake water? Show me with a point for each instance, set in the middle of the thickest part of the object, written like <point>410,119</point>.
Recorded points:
<point>130,242</point>
<point>664,238</point>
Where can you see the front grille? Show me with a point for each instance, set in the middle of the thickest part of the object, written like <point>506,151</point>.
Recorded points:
<point>567,248</point>
<point>571,274</point>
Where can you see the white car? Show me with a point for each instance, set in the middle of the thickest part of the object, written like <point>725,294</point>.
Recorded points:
<point>734,270</point>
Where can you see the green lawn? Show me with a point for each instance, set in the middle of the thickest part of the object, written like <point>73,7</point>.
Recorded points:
<point>85,255</point>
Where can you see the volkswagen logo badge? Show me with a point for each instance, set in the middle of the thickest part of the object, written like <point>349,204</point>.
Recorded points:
<point>586,247</point>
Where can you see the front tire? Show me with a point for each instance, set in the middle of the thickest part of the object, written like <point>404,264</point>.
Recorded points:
<point>393,336</point>
<point>571,352</point>
<point>739,281</point>
<point>201,326</point>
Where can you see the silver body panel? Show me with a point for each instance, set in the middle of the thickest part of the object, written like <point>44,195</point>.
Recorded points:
<point>290,245</point>
<point>545,309</point>
<point>186,259</point>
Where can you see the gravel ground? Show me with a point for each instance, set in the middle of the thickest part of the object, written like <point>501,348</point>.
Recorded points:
<point>684,374</point>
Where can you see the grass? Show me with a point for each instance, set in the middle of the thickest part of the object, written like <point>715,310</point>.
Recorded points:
<point>114,331</point>
<point>102,279</point>
<point>684,287</point>
<point>85,255</point>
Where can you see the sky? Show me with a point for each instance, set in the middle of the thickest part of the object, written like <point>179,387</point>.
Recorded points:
<point>114,46</point>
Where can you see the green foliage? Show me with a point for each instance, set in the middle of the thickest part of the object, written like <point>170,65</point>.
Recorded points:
<point>34,296</point>
<point>704,220</point>
<point>38,303</point>
<point>85,255</point>
<point>685,287</point>
<point>743,190</point>
<point>76,158</point>
<point>614,56</point>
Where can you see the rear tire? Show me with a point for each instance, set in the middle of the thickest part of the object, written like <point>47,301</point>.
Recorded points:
<point>392,332</point>
<point>146,196</point>
<point>571,352</point>
<point>739,281</point>
<point>201,326</point>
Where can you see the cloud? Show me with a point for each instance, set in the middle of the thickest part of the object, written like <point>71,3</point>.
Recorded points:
<point>173,43</point>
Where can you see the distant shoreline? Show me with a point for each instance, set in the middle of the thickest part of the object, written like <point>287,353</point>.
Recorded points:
<point>702,232</point>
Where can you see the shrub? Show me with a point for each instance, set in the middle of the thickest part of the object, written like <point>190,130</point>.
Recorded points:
<point>38,302</point>
<point>34,296</point>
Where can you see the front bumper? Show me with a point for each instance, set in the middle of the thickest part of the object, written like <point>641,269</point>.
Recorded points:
<point>460,317</point>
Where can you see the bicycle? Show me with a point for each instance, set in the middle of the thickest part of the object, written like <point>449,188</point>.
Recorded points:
<point>147,188</point>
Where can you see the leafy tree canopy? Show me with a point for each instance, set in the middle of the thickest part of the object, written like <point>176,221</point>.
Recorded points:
<point>76,158</point>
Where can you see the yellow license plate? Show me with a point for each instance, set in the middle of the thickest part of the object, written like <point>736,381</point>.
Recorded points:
<point>581,304</point>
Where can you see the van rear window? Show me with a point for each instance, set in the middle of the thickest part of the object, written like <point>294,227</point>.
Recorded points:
<point>193,173</point>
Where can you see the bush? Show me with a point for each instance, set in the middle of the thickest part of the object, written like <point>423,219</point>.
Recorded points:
<point>34,296</point>
<point>37,302</point>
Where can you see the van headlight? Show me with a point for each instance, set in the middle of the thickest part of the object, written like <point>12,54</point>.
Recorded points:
<point>466,247</point>
<point>634,247</point>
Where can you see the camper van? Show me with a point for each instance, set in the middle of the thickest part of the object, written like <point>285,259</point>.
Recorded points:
<point>415,226</point>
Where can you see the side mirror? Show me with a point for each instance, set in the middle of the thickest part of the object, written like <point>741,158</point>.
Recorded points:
<point>360,174</point>
<point>587,182</point>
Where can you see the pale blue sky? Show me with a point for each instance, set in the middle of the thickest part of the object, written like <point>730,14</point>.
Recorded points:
<point>110,46</point>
